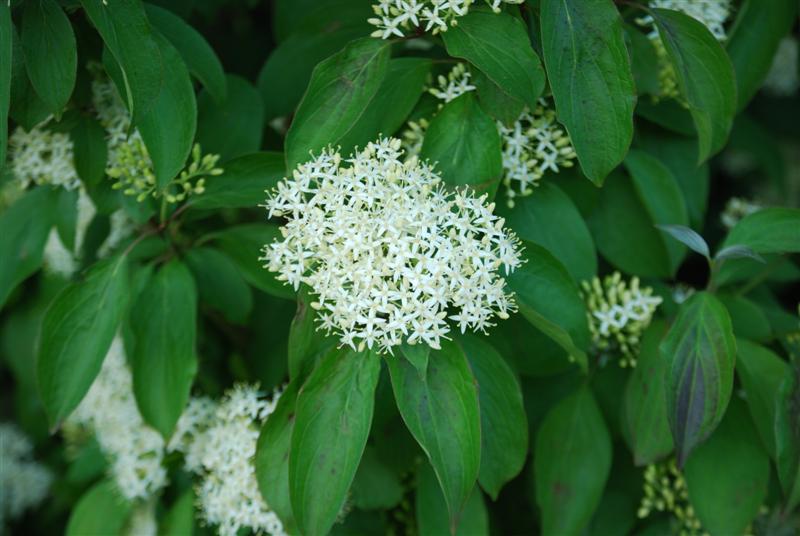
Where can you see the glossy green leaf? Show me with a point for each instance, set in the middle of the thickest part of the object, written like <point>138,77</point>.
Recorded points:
<point>51,53</point>
<point>220,284</point>
<point>498,45</point>
<point>99,512</point>
<point>431,509</point>
<point>688,237</point>
<point>341,87</point>
<point>90,150</point>
<point>77,331</point>
<point>243,183</point>
<point>6,47</point>
<point>465,144</point>
<point>572,460</point>
<point>727,476</point>
<point>504,431</point>
<point>549,299</point>
<point>770,230</point>
<point>704,74</point>
<point>334,410</point>
<point>700,351</point>
<point>164,360</point>
<point>589,73</point>
<point>198,55</point>
<point>442,413</point>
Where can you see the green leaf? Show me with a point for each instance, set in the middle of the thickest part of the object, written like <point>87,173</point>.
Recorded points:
<point>572,460</point>
<point>550,219</point>
<point>243,243</point>
<point>747,318</point>
<point>431,509</point>
<point>333,418</point>
<point>700,351</point>
<point>761,373</point>
<point>243,182</point>
<point>441,411</point>
<point>388,110</point>
<point>179,519</point>
<point>306,342</point>
<point>23,238</point>
<point>232,127</point>
<point>51,53</point>
<point>90,150</point>
<point>272,457</point>
<point>738,252</point>
<point>164,362</point>
<point>753,41</point>
<point>375,485</point>
<point>465,144</point>
<point>549,299</point>
<point>99,512</point>
<point>6,47</point>
<point>498,45</point>
<point>495,101</point>
<point>644,61</point>
<point>590,75</point>
<point>220,283</point>
<point>645,407</point>
<point>704,74</point>
<point>77,331</point>
<point>198,55</point>
<point>727,476</point>
<point>504,430</point>
<point>418,355</point>
<point>341,87</point>
<point>787,437</point>
<point>67,216</point>
<point>26,108</point>
<point>770,230</point>
<point>688,237</point>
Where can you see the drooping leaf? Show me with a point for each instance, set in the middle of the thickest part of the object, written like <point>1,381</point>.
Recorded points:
<point>99,512</point>
<point>220,283</point>
<point>572,460</point>
<point>164,361</point>
<point>77,331</point>
<point>644,61</point>
<point>243,182</point>
<point>688,237</point>
<point>431,509</point>
<point>334,409</point>
<point>700,351</point>
<point>589,73</point>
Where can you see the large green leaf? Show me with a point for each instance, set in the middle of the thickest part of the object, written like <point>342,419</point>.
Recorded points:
<point>51,53</point>
<point>220,283</point>
<point>704,74</point>
<point>645,410</point>
<point>200,58</point>
<point>179,519</point>
<point>747,318</point>
<point>787,436</point>
<point>700,351</point>
<point>441,410</point>
<point>572,460</point>
<point>26,108</point>
<point>90,151</point>
<point>164,362</point>
<point>590,75</point>
<point>77,331</point>
<point>332,420</point>
<point>465,144</point>
<point>341,87</point>
<point>549,299</point>
<point>431,509</point>
<point>376,486</point>
<point>504,430</point>
<point>498,45</point>
<point>727,476</point>
<point>99,512</point>
<point>243,182</point>
<point>6,46</point>
<point>771,230</point>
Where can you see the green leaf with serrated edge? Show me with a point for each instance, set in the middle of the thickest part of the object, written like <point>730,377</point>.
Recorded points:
<point>761,373</point>
<point>334,409</point>
<point>549,299</point>
<point>590,75</point>
<point>233,127</point>
<point>243,182</point>
<point>688,237</point>
<point>551,220</point>
<point>441,411</point>
<point>704,74</point>
<point>727,476</point>
<point>787,436</point>
<point>498,45</point>
<point>164,359</point>
<point>431,509</point>
<point>198,55</point>
<point>753,41</point>
<point>465,144</point>
<point>77,331</point>
<point>99,512</point>
<point>645,410</point>
<point>90,150</point>
<point>340,88</point>
<point>220,283</point>
<point>272,457</point>
<point>51,53</point>
<point>504,430</point>
<point>700,351</point>
<point>770,230</point>
<point>572,460</point>
<point>6,47</point>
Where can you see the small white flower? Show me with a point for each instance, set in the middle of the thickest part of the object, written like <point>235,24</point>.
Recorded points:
<point>454,85</point>
<point>41,156</point>
<point>394,17</point>
<point>24,483</point>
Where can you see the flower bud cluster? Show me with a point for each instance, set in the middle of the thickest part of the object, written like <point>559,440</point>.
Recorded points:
<point>23,482</point>
<point>665,491</point>
<point>618,313</point>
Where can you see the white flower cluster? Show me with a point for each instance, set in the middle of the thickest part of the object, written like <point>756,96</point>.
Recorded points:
<point>395,17</point>
<point>387,250</point>
<point>134,449</point>
<point>219,443</point>
<point>735,209</point>
<point>24,483</point>
<point>41,156</point>
<point>455,84</point>
<point>783,79</point>
<point>618,314</point>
